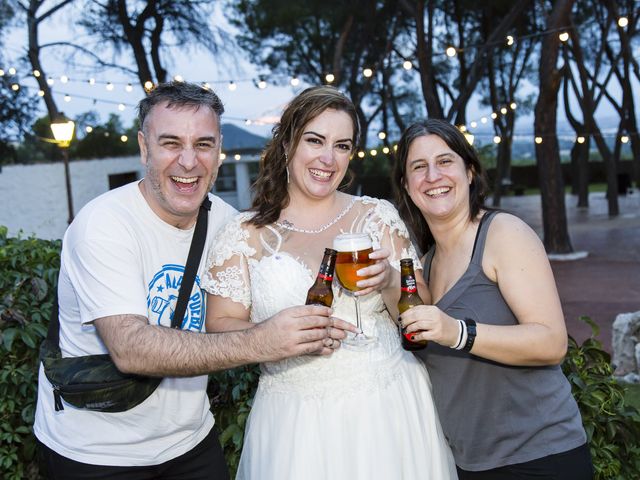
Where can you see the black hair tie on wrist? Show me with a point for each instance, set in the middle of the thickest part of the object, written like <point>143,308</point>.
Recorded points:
<point>471,334</point>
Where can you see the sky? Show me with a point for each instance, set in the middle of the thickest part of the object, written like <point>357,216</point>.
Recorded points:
<point>247,106</point>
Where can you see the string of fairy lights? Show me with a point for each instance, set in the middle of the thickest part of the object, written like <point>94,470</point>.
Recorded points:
<point>260,82</point>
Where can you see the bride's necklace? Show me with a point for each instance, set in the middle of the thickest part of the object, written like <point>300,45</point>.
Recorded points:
<point>287,225</point>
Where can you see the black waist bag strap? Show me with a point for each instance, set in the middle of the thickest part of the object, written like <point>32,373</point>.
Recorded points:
<point>93,382</point>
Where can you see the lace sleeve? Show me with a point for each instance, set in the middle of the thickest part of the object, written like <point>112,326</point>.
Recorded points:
<point>386,228</point>
<point>227,273</point>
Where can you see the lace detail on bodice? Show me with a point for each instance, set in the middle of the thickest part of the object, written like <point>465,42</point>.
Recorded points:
<point>268,270</point>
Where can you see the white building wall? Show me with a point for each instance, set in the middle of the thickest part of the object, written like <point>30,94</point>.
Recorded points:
<point>33,197</point>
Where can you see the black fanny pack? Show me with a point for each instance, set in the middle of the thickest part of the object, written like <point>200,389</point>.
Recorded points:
<point>93,382</point>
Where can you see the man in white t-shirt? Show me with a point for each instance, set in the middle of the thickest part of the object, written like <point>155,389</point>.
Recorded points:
<point>121,267</point>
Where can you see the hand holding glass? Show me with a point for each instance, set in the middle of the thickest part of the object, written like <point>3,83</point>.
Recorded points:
<point>353,254</point>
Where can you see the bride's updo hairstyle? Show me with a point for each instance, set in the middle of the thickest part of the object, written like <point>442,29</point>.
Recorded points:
<point>270,189</point>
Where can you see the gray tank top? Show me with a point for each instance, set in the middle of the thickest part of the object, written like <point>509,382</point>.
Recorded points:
<point>494,414</point>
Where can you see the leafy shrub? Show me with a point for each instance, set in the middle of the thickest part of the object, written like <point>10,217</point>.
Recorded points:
<point>612,425</point>
<point>28,275</point>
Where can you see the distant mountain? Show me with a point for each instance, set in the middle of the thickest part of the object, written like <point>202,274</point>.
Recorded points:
<point>236,138</point>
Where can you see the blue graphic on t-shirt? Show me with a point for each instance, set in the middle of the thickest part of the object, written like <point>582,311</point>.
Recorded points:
<point>163,295</point>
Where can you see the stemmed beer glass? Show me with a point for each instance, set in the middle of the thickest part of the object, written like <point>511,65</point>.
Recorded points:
<point>353,254</point>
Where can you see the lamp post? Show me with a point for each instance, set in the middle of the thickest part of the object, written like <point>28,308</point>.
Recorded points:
<point>62,129</point>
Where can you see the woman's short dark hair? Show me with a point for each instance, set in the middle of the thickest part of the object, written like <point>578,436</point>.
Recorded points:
<point>457,142</point>
<point>179,94</point>
<point>270,189</point>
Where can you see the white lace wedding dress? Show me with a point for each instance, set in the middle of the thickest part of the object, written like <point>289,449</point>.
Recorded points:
<point>352,415</point>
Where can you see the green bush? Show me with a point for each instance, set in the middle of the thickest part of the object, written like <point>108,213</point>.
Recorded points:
<point>28,275</point>
<point>612,425</point>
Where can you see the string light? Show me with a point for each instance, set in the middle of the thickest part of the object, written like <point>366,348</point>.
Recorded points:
<point>360,154</point>
<point>36,73</point>
<point>474,124</point>
<point>483,120</point>
<point>262,84</point>
<point>1,73</point>
<point>50,81</point>
<point>462,128</point>
<point>129,87</point>
<point>367,72</point>
<point>623,22</point>
<point>41,93</point>
<point>178,78</point>
<point>237,157</point>
<point>92,81</point>
<point>580,139</point>
<point>494,115</point>
<point>513,105</point>
<point>15,87</point>
<point>497,139</point>
<point>470,137</point>
<point>67,98</point>
<point>109,86</point>
<point>624,139</point>
<point>12,71</point>
<point>148,85</point>
<point>329,77</point>
<point>64,79</point>
<point>407,65</point>
<point>538,140</point>
<point>295,81</point>
<point>385,150</point>
<point>451,52</point>
<point>232,86</point>
<point>564,36</point>
<point>503,110</point>
<point>223,156</point>
<point>510,40</point>
<point>124,138</point>
<point>382,135</point>
<point>121,107</point>
<point>206,85</point>
<point>88,129</point>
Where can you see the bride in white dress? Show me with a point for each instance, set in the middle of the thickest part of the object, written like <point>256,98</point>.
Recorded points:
<point>355,414</point>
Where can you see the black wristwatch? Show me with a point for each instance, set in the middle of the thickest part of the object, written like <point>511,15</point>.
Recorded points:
<point>471,334</point>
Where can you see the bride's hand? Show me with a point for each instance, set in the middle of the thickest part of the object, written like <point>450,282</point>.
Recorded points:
<point>379,275</point>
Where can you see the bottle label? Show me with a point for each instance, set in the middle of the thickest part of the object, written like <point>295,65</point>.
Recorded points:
<point>323,276</point>
<point>409,285</point>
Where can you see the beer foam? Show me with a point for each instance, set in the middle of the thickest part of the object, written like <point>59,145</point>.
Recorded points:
<point>351,242</point>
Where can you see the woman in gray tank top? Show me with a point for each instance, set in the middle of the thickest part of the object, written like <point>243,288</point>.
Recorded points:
<point>496,328</point>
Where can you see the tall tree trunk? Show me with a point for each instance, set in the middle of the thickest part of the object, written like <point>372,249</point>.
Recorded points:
<point>554,215</point>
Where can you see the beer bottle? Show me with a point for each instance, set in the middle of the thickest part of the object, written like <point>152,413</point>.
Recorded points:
<point>409,298</point>
<point>320,292</point>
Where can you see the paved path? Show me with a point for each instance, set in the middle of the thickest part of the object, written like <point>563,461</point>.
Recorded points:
<point>607,281</point>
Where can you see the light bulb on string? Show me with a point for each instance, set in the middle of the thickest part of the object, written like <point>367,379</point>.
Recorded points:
<point>624,139</point>
<point>148,85</point>
<point>237,157</point>
<point>407,65</point>
<point>510,40</point>
<point>262,84</point>
<point>178,78</point>
<point>232,86</point>
<point>494,115</point>
<point>451,52</point>
<point>473,124</point>
<point>483,120</point>
<point>64,79</point>
<point>129,87</point>
<point>497,139</point>
<point>67,98</point>
<point>513,105</point>
<point>109,86</point>
<point>564,36</point>
<point>1,73</point>
<point>50,81</point>
<point>623,22</point>
<point>124,138</point>
<point>92,81</point>
<point>373,152</point>
<point>367,72</point>
<point>503,110</point>
<point>121,107</point>
<point>538,140</point>
<point>12,71</point>
<point>223,156</point>
<point>382,135</point>
<point>36,73</point>
<point>580,139</point>
<point>385,150</point>
<point>295,81</point>
<point>360,154</point>
<point>206,86</point>
<point>41,93</point>
<point>329,77</point>
<point>15,87</point>
<point>462,128</point>
<point>88,129</point>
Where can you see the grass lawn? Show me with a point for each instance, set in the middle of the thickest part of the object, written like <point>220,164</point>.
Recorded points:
<point>633,394</point>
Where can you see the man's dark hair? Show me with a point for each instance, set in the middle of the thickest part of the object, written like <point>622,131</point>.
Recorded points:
<point>179,94</point>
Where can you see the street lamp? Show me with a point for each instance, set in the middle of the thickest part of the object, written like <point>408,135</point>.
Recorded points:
<point>62,129</point>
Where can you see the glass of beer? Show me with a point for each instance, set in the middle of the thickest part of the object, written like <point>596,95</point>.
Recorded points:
<point>353,254</point>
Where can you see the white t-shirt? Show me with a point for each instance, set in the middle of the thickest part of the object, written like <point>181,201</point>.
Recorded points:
<point>119,257</point>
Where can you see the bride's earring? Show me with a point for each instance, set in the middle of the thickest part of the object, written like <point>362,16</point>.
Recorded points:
<point>286,159</point>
